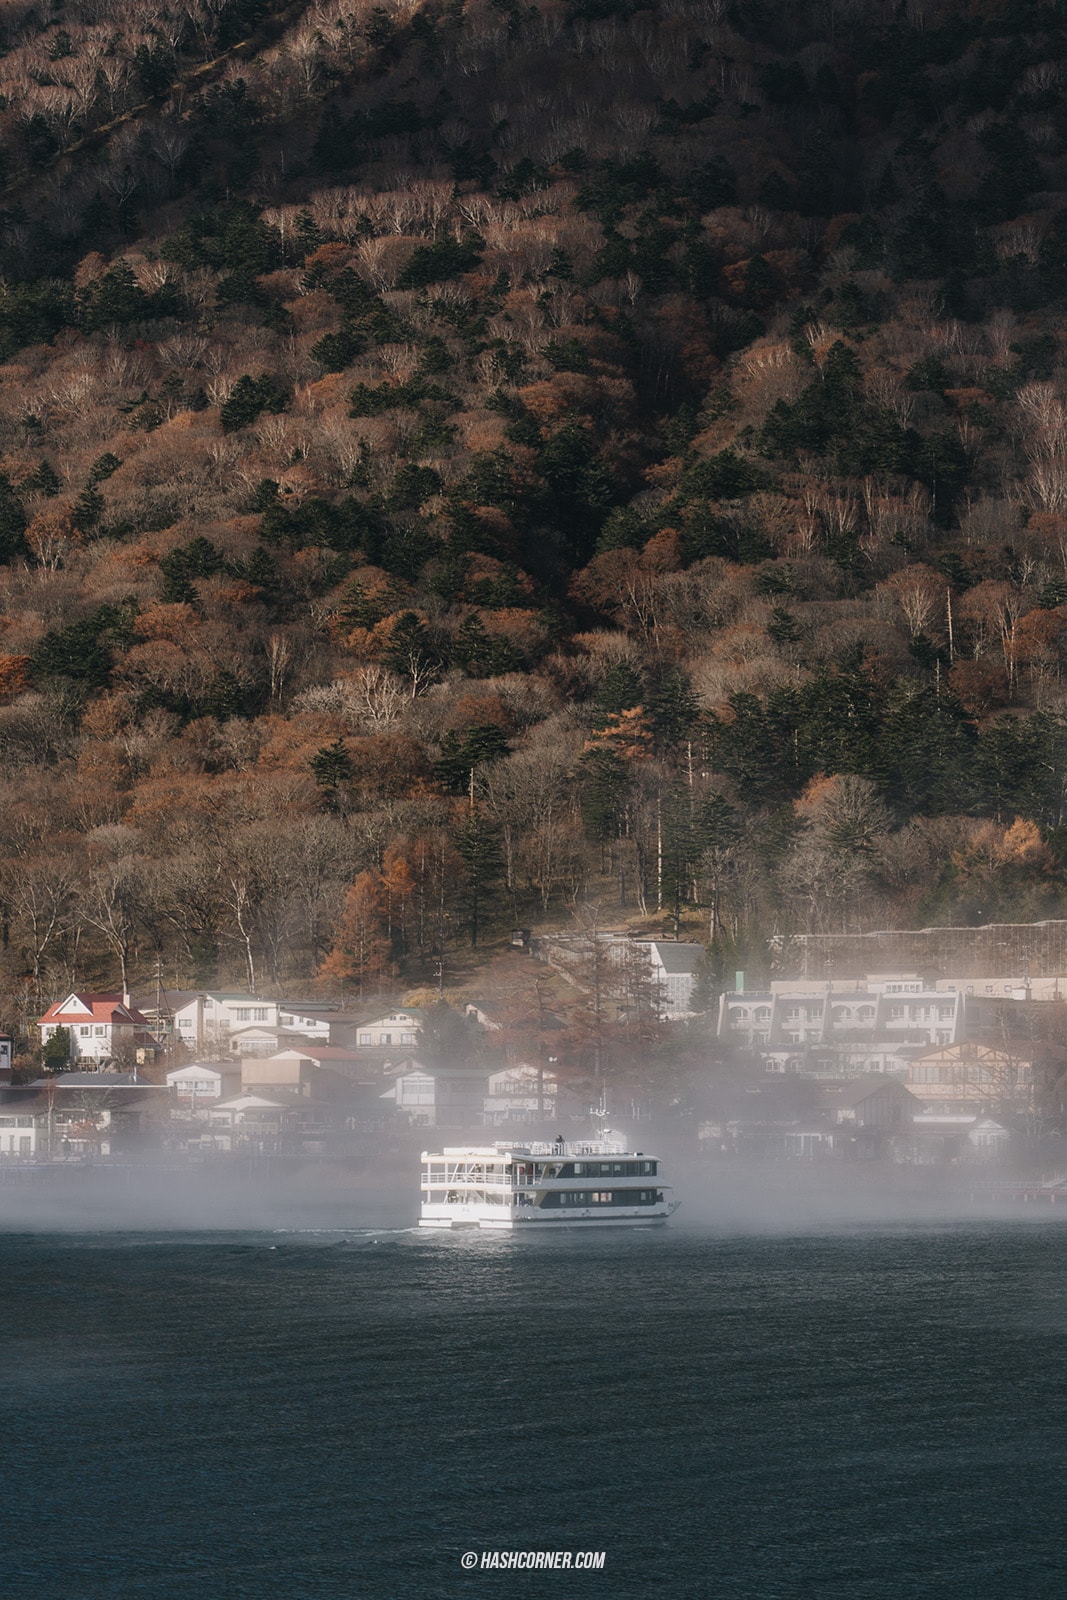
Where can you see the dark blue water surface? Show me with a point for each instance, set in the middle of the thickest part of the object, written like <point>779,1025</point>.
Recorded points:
<point>874,1415</point>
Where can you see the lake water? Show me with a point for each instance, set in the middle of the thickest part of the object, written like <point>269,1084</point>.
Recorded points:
<point>867,1414</point>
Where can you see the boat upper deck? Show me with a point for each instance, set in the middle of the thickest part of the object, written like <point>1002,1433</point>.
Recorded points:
<point>515,1150</point>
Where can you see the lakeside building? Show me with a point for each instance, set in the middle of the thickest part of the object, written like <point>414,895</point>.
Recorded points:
<point>439,1096</point>
<point>202,1082</point>
<point>853,1119</point>
<point>519,1095</point>
<point>432,1096</point>
<point>262,1039</point>
<point>247,1122</point>
<point>387,1033</point>
<point>202,1020</point>
<point>329,1057</point>
<point>997,1078</point>
<point>877,1023</point>
<point>299,1074</point>
<point>22,1132</point>
<point>872,1118</point>
<point>209,1017</point>
<point>72,1114</point>
<point>936,1139</point>
<point>308,1019</point>
<point>100,1027</point>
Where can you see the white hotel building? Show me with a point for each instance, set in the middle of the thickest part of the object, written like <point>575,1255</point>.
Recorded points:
<point>849,1026</point>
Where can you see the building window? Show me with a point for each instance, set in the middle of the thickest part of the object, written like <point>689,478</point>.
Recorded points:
<point>407,1038</point>
<point>385,1038</point>
<point>242,1014</point>
<point>98,1030</point>
<point>85,1032</point>
<point>364,1038</point>
<point>259,1014</point>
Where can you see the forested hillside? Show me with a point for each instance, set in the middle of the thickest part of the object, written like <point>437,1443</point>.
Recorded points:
<point>458,461</point>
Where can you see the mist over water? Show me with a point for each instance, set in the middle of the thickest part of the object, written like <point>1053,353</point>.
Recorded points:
<point>382,1192</point>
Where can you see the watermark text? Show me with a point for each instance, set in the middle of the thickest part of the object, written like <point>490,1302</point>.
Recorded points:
<point>534,1560</point>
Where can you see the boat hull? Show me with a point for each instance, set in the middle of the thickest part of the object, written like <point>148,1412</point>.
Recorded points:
<point>542,1224</point>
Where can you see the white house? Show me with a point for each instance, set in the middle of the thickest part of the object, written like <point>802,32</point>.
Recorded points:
<point>430,1096</point>
<point>21,1133</point>
<point>309,1020</point>
<point>209,1017</point>
<point>519,1094</point>
<point>203,1083</point>
<point>99,1025</point>
<point>394,1031</point>
<point>876,1024</point>
<point>980,1138</point>
<point>247,1121</point>
<point>261,1039</point>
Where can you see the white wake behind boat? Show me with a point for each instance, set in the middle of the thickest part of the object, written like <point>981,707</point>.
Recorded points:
<point>518,1187</point>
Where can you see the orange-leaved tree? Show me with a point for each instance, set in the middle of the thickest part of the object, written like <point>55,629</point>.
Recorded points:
<point>361,951</point>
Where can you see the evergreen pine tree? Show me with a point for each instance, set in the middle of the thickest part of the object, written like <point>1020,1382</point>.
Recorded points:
<point>477,843</point>
<point>12,521</point>
<point>332,769</point>
<point>58,1050</point>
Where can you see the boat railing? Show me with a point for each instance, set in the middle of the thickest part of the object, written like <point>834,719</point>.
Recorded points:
<point>569,1147</point>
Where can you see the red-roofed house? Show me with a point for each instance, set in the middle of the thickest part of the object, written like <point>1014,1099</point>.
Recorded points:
<point>101,1026</point>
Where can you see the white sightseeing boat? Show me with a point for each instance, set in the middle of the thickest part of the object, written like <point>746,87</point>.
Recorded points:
<point>515,1187</point>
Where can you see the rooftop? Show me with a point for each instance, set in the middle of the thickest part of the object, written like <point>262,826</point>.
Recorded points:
<point>93,1007</point>
<point>574,1147</point>
<point>93,1080</point>
<point>676,957</point>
